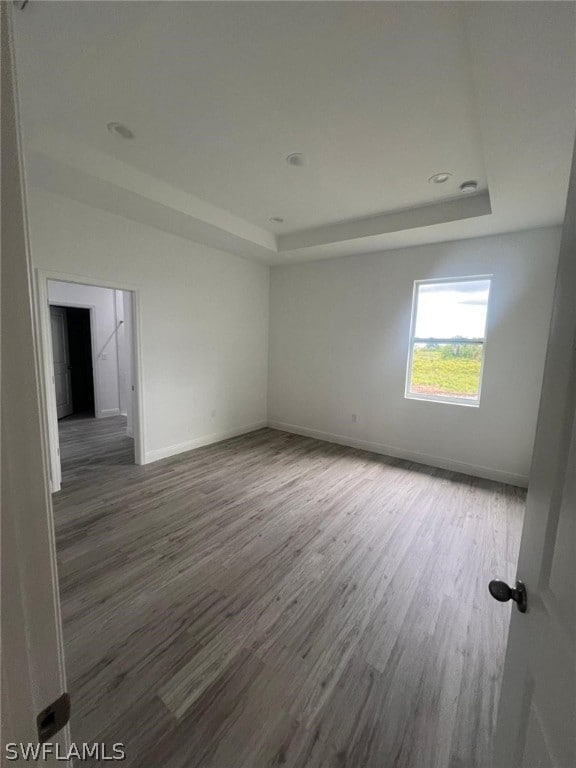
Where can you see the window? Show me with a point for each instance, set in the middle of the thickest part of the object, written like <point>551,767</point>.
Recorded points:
<point>447,340</point>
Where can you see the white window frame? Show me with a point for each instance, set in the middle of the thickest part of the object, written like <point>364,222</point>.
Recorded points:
<point>467,402</point>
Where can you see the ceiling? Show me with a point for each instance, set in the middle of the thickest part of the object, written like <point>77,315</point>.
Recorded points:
<point>377,96</point>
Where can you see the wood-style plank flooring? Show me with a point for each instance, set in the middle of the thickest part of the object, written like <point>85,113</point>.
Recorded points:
<point>275,600</point>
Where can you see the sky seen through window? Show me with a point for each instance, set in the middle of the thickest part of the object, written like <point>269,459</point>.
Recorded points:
<point>446,310</point>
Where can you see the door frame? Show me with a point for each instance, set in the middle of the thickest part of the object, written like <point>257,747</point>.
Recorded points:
<point>90,308</point>
<point>48,393</point>
<point>33,664</point>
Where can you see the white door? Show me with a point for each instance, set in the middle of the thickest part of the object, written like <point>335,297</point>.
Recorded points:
<point>32,656</point>
<point>537,715</point>
<point>61,355</point>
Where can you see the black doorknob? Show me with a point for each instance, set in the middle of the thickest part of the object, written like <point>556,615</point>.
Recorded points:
<point>502,592</point>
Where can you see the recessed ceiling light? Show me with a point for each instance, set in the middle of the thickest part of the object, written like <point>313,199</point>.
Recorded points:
<point>276,220</point>
<point>118,129</point>
<point>469,186</point>
<point>439,178</point>
<point>296,158</point>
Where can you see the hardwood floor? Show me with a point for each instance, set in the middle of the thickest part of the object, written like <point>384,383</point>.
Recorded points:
<point>89,445</point>
<point>274,600</point>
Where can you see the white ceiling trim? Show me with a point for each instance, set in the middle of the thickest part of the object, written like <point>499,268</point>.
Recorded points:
<point>66,180</point>
<point>65,151</point>
<point>443,212</point>
<point>119,189</point>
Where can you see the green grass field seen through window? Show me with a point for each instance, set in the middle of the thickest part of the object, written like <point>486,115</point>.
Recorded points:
<point>446,369</point>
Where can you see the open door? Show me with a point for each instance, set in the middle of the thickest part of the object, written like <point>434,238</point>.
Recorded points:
<point>32,654</point>
<point>537,715</point>
<point>61,355</point>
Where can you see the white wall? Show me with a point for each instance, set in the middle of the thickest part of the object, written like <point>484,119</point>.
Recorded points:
<point>203,316</point>
<point>339,343</point>
<point>104,338</point>
<point>338,338</point>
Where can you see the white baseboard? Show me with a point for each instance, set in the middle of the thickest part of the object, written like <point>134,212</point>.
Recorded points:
<point>108,412</point>
<point>488,473</point>
<point>198,442</point>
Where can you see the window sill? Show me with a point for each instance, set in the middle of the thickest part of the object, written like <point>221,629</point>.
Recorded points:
<point>445,400</point>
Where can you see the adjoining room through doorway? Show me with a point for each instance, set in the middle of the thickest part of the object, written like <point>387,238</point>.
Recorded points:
<point>92,354</point>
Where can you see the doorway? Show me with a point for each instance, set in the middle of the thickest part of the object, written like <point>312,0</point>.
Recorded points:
<point>73,367</point>
<point>92,356</point>
<point>91,382</point>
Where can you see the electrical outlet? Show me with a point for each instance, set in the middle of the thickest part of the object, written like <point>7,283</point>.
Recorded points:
<point>104,356</point>
<point>354,418</point>
<point>213,414</point>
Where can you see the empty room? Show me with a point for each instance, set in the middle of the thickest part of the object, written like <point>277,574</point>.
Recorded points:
<point>289,384</point>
